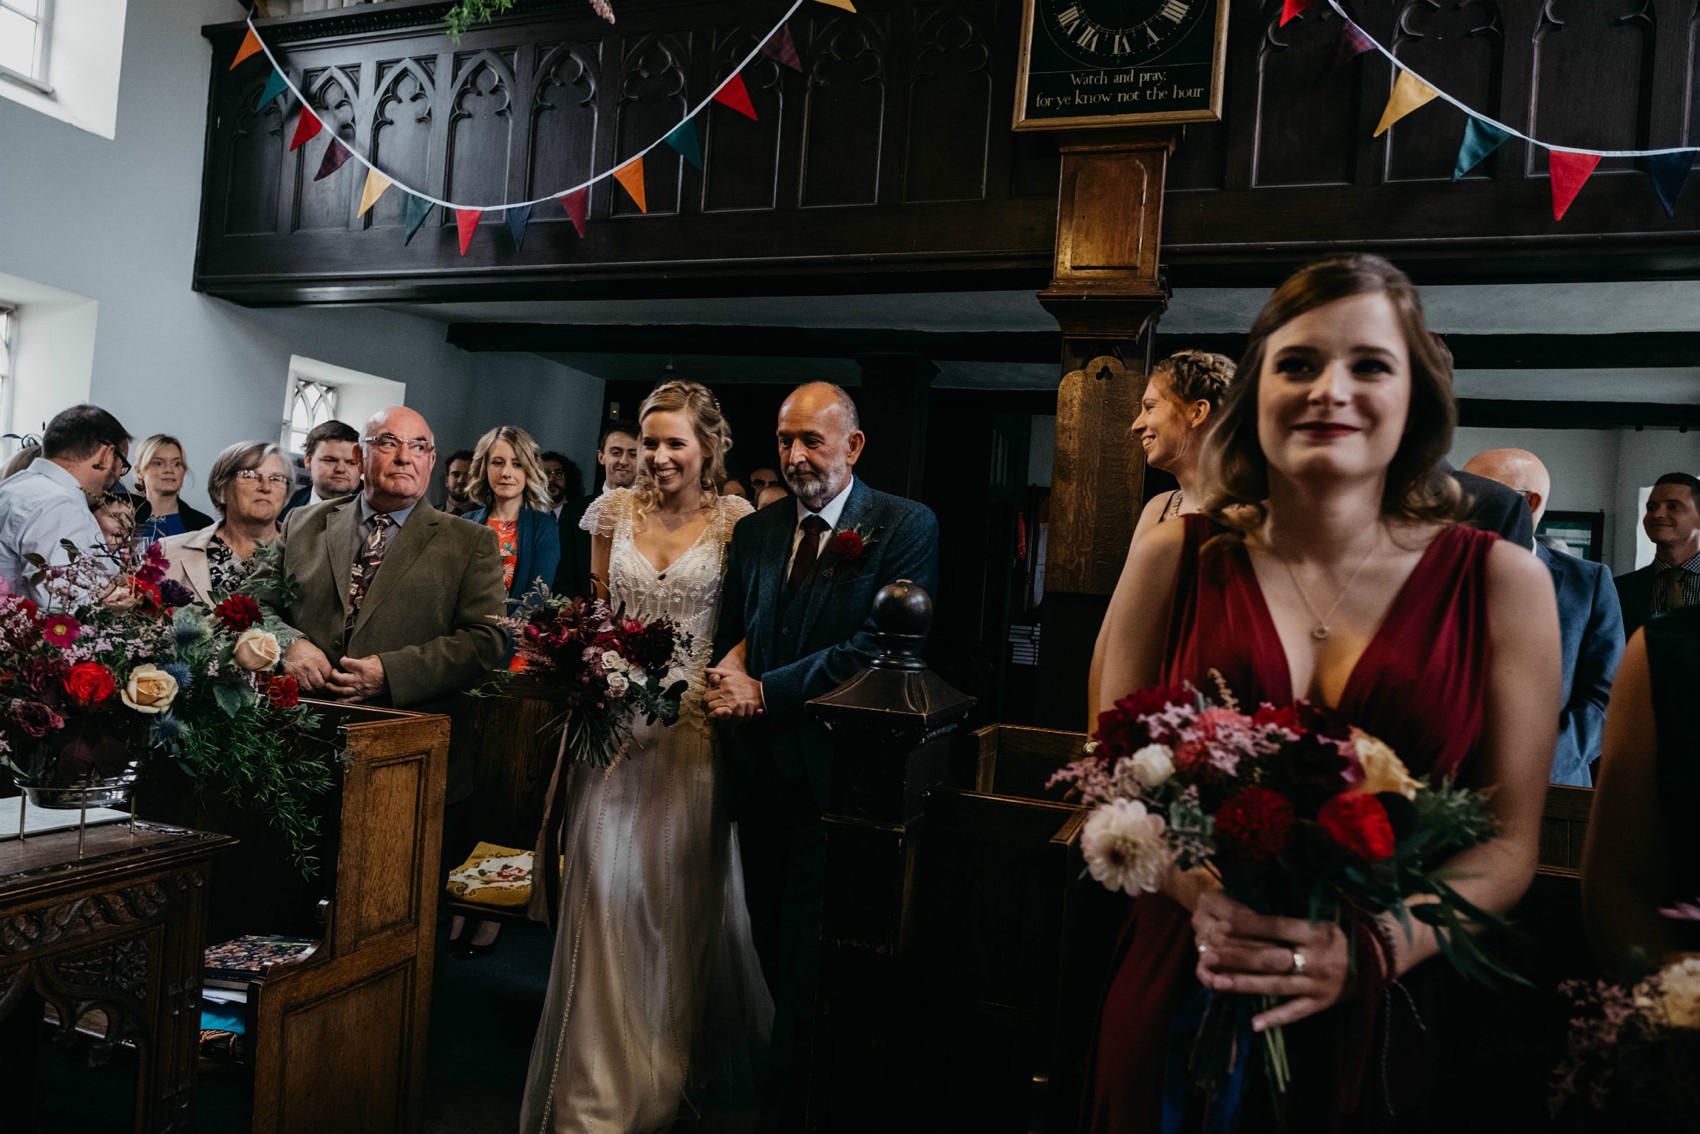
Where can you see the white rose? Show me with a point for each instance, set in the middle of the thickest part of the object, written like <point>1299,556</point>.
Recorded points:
<point>1152,765</point>
<point>612,662</point>
<point>1124,846</point>
<point>149,690</point>
<point>257,650</point>
<point>617,684</point>
<point>1383,770</point>
<point>637,677</point>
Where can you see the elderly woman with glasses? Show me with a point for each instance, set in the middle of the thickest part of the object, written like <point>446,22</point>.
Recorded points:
<point>248,486</point>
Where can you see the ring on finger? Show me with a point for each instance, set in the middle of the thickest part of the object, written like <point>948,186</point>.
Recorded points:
<point>1298,968</point>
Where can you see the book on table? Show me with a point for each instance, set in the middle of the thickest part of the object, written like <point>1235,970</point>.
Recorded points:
<point>237,963</point>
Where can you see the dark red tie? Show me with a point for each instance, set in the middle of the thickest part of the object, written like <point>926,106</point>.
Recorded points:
<point>807,552</point>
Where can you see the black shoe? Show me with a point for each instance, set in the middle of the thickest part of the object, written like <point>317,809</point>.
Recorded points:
<point>467,951</point>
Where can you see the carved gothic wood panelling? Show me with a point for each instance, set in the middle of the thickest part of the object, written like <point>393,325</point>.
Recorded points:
<point>889,155</point>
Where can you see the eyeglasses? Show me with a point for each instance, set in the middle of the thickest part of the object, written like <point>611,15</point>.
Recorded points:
<point>390,443</point>
<point>255,476</point>
<point>124,465</point>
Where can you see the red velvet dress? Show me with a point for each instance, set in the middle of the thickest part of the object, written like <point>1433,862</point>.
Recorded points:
<point>1419,686</point>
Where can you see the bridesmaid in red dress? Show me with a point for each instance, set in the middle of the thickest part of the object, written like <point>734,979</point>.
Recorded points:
<point>1327,566</point>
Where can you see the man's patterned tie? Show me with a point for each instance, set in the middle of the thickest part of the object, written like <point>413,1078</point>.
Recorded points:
<point>1671,585</point>
<point>366,563</point>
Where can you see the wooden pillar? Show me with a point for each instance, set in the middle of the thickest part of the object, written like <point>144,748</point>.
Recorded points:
<point>895,389</point>
<point>1107,294</point>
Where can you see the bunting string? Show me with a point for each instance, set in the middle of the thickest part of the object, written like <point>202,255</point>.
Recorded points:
<point>731,91</point>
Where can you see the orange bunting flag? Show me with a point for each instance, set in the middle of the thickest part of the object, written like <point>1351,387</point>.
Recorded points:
<point>466,223</point>
<point>376,183</point>
<point>845,4</point>
<point>250,47</point>
<point>1569,171</point>
<point>1291,8</point>
<point>735,94</point>
<point>1409,93</point>
<point>577,204</point>
<point>306,129</point>
<point>630,177</point>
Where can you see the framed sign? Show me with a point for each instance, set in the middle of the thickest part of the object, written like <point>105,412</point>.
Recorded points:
<point>1087,63</point>
<point>1581,533</point>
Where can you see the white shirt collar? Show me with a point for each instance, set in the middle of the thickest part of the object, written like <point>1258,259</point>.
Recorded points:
<point>606,488</point>
<point>834,507</point>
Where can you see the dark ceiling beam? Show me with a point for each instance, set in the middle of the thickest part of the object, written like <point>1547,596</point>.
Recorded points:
<point>1520,414</point>
<point>1469,352</point>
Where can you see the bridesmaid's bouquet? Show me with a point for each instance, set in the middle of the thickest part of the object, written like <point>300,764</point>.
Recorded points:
<point>1631,1049</point>
<point>607,670</point>
<point>1299,813</point>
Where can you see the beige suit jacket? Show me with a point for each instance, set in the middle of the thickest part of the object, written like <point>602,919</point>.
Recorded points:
<point>430,614</point>
<point>186,556</point>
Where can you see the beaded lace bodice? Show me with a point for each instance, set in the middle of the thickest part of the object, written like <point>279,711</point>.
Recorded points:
<point>688,592</point>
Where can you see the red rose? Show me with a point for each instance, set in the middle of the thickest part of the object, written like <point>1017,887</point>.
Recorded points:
<point>1286,717</point>
<point>1359,823</point>
<point>238,613</point>
<point>89,683</point>
<point>1253,825</point>
<point>847,545</point>
<point>283,691</point>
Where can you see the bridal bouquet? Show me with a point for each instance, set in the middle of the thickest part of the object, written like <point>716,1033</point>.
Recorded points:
<point>608,669</point>
<point>1631,1049</point>
<point>1299,813</point>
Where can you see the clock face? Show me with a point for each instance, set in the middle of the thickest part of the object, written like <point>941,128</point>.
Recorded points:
<point>1109,33</point>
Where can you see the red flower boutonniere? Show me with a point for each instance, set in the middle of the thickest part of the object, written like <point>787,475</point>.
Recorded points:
<point>852,543</point>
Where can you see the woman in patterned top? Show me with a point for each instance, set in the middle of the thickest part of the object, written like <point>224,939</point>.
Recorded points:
<point>248,486</point>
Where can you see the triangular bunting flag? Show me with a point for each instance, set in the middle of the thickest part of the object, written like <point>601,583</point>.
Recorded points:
<point>1570,170</point>
<point>518,218</point>
<point>603,9</point>
<point>306,129</point>
<point>1667,172</point>
<point>684,139</point>
<point>1409,93</point>
<point>274,87</point>
<point>414,214</point>
<point>1480,140</point>
<point>781,47</point>
<point>250,47</point>
<point>336,155</point>
<point>376,183</point>
<point>733,93</point>
<point>845,4</point>
<point>630,176</point>
<point>466,223</point>
<point>1353,43</point>
<point>1291,8</point>
<point>577,204</point>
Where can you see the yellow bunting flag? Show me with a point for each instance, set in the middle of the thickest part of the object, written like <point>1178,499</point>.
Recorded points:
<point>376,183</point>
<point>845,4</point>
<point>1409,93</point>
<point>630,176</point>
<point>250,46</point>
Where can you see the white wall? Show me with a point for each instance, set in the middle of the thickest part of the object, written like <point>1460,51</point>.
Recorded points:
<point>1596,470</point>
<point>116,221</point>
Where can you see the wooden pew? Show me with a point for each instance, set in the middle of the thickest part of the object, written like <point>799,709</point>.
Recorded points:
<point>337,1039</point>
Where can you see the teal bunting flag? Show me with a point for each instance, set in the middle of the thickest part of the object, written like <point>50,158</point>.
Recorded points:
<point>518,218</point>
<point>1480,140</point>
<point>684,139</point>
<point>1668,173</point>
<point>414,214</point>
<point>274,87</point>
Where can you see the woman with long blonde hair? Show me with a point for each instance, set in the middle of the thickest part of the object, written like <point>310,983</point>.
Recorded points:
<point>509,483</point>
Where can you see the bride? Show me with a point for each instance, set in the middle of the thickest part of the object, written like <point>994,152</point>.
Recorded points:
<point>655,990</point>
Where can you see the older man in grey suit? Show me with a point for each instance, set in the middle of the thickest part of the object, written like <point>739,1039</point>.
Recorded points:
<point>394,603</point>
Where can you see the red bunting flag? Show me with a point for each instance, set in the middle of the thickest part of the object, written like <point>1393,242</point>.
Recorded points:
<point>250,47</point>
<point>734,94</point>
<point>630,177</point>
<point>466,223</point>
<point>1291,8</point>
<point>1570,170</point>
<point>306,129</point>
<point>577,205</point>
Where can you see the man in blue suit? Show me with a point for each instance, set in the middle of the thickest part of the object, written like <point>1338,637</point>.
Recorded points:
<point>1590,621</point>
<point>795,623</point>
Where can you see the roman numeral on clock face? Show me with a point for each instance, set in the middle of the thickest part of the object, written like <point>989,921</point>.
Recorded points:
<point>1068,19</point>
<point>1119,45</point>
<point>1174,10</point>
<point>1088,39</point>
<point>1151,35</point>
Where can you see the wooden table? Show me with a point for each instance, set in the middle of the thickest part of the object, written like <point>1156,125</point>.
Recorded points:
<point>121,928</point>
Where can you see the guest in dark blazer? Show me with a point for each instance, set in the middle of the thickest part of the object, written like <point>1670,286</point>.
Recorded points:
<point>794,623</point>
<point>1672,580</point>
<point>1492,507</point>
<point>160,473</point>
<point>512,492</point>
<point>617,457</point>
<point>1589,620</point>
<point>333,466</point>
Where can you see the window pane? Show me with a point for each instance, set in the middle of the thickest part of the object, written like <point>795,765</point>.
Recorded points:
<point>17,42</point>
<point>27,7</point>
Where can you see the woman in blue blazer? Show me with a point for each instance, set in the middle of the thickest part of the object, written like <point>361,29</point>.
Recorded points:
<point>512,490</point>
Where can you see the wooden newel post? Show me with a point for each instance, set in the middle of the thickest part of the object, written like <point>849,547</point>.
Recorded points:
<point>890,727</point>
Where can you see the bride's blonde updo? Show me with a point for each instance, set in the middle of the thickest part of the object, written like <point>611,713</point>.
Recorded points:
<point>698,403</point>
